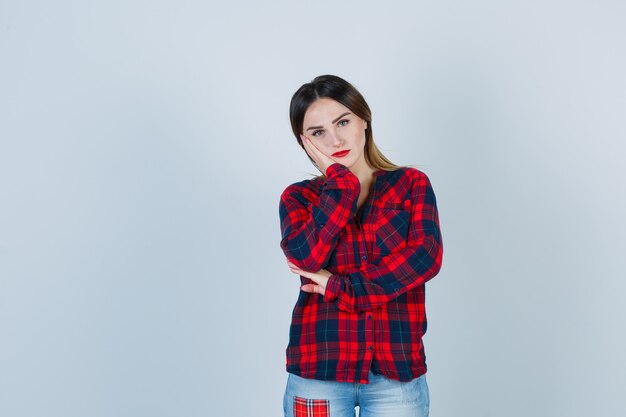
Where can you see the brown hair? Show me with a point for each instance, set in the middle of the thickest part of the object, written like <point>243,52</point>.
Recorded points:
<point>343,92</point>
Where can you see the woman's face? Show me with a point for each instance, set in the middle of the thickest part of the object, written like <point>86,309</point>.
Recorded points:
<point>336,132</point>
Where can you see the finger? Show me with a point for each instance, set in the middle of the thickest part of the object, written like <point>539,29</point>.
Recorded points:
<point>305,141</point>
<point>297,270</point>
<point>308,287</point>
<point>301,273</point>
<point>314,149</point>
<point>313,278</point>
<point>310,149</point>
<point>293,266</point>
<point>320,157</point>
<point>311,288</point>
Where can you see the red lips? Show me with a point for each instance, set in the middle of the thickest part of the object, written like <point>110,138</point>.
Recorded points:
<point>341,154</point>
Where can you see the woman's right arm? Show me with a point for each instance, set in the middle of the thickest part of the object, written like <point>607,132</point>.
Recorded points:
<point>310,234</point>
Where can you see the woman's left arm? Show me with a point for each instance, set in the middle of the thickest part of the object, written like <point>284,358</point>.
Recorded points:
<point>372,285</point>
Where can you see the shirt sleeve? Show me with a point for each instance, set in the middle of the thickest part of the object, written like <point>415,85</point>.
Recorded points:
<point>372,285</point>
<point>310,224</point>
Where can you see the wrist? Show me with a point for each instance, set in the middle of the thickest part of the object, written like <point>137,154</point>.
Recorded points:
<point>334,168</point>
<point>331,292</point>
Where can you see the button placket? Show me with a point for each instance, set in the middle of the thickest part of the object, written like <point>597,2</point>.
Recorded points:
<point>369,338</point>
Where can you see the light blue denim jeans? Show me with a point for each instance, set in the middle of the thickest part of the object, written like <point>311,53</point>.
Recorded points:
<point>382,397</point>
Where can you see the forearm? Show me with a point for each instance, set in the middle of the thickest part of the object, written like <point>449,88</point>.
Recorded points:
<point>310,225</point>
<point>370,286</point>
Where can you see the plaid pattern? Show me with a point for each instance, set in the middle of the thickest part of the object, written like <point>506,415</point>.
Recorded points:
<point>372,314</point>
<point>303,407</point>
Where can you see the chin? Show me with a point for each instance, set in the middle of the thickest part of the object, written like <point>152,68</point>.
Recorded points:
<point>347,164</point>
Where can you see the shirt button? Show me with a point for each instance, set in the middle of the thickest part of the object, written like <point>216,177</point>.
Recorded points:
<point>369,317</point>
<point>370,348</point>
<point>364,257</point>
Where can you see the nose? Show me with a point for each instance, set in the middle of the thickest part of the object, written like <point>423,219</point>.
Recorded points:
<point>335,140</point>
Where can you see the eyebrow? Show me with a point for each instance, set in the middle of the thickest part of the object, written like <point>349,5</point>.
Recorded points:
<point>334,121</point>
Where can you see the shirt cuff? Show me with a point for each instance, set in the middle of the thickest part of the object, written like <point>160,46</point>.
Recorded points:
<point>336,170</point>
<point>331,293</point>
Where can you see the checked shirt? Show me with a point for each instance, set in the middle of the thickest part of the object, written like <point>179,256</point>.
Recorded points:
<point>372,315</point>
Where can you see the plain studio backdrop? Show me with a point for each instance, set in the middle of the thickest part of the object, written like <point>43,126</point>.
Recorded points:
<point>144,146</point>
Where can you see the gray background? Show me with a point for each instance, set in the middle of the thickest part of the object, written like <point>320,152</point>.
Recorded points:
<point>144,146</point>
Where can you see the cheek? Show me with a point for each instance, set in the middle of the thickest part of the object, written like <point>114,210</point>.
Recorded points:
<point>323,145</point>
<point>360,138</point>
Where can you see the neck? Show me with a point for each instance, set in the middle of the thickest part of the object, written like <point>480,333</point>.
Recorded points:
<point>364,173</point>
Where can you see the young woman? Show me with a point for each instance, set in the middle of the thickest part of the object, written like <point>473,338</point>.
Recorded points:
<point>364,238</point>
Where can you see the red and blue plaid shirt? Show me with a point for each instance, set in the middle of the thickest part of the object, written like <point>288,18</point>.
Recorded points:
<point>372,314</point>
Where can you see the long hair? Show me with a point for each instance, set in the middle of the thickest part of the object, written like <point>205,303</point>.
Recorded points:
<point>338,89</point>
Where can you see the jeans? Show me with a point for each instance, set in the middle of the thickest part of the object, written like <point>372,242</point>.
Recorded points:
<point>382,397</point>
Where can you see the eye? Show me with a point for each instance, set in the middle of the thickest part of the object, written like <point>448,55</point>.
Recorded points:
<point>315,133</point>
<point>343,122</point>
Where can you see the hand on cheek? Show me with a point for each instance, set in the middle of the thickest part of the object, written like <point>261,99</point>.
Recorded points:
<point>321,160</point>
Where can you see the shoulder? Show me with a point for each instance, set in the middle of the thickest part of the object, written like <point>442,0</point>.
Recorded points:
<point>406,175</point>
<point>413,172</point>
